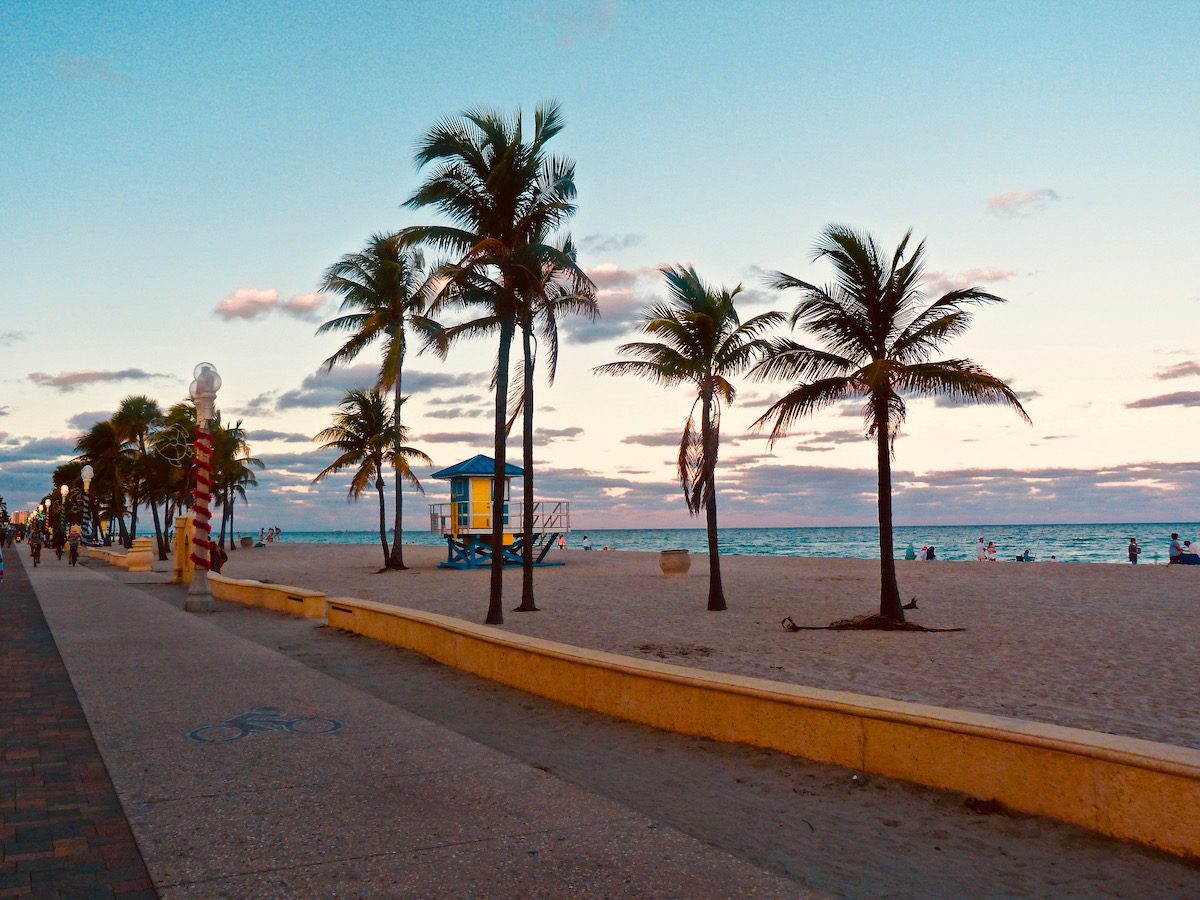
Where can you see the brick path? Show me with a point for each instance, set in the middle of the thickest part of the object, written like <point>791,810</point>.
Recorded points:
<point>63,831</point>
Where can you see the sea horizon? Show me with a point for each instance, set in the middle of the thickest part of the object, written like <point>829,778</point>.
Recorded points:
<point>1085,542</point>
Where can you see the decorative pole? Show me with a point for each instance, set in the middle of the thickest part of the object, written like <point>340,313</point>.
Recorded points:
<point>86,474</point>
<point>62,511</point>
<point>203,391</point>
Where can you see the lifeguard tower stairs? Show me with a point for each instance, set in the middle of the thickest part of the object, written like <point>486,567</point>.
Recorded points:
<point>466,521</point>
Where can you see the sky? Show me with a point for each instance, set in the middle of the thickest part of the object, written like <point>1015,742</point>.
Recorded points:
<point>176,178</point>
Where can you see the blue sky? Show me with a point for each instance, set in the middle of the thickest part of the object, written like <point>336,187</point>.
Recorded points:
<point>162,160</point>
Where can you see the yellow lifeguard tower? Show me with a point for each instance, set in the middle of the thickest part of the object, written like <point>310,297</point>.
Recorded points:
<point>466,521</point>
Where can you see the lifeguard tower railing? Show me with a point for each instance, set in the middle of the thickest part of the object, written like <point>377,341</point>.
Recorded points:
<point>475,517</point>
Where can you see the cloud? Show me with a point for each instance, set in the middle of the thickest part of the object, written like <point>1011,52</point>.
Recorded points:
<point>254,303</point>
<point>620,304</point>
<point>943,282</point>
<point>85,420</point>
<point>69,381</point>
<point>549,435</point>
<point>8,338</point>
<point>577,20</point>
<point>1022,203</point>
<point>293,437</point>
<point>324,388</point>
<point>456,400</point>
<point>45,449</point>
<point>89,68</point>
<point>609,243</point>
<point>455,412</point>
<point>1179,370</point>
<point>262,405</point>
<point>481,438</point>
<point>662,439</point>
<point>1179,398</point>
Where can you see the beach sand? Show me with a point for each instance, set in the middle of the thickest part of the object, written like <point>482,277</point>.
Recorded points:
<point>1109,648</point>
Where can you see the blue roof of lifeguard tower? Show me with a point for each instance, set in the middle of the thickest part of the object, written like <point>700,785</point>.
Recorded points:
<point>477,465</point>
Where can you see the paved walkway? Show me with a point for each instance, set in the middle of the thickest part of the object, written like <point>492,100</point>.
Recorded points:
<point>61,824</point>
<point>326,790</point>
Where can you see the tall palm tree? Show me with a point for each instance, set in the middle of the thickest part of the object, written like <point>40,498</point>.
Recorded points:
<point>366,436</point>
<point>559,291</point>
<point>135,419</point>
<point>879,332</point>
<point>702,343</point>
<point>505,197</point>
<point>383,291</point>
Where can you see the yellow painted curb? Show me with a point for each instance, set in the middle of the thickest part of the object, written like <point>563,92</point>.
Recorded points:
<point>279,597</point>
<point>1123,787</point>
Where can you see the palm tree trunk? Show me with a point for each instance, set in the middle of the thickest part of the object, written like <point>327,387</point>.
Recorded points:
<point>232,500</point>
<point>160,541</point>
<point>224,516</point>
<point>527,604</point>
<point>133,508</point>
<point>396,560</point>
<point>890,606</point>
<point>382,511</point>
<point>708,436</point>
<point>495,613</point>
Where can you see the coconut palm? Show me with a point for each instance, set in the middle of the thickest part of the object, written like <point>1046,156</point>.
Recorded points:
<point>366,436</point>
<point>702,343</point>
<point>879,332</point>
<point>233,471</point>
<point>103,447</point>
<point>506,197</point>
<point>135,419</point>
<point>383,298</point>
<point>560,291</point>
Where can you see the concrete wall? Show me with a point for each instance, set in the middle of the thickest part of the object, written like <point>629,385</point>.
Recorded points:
<point>280,597</point>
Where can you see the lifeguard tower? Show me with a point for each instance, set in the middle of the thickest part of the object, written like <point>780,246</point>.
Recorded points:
<point>466,521</point>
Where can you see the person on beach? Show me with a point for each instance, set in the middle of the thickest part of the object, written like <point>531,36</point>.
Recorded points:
<point>924,554</point>
<point>585,543</point>
<point>1176,549</point>
<point>990,552</point>
<point>562,542</point>
<point>1134,550</point>
<point>1027,556</point>
<point>980,551</point>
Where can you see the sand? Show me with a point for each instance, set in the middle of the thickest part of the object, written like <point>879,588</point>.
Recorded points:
<point>1110,648</point>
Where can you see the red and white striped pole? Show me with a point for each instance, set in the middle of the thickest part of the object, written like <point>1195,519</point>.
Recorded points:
<point>204,394</point>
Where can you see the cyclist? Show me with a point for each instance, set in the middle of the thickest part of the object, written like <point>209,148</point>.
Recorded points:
<point>35,545</point>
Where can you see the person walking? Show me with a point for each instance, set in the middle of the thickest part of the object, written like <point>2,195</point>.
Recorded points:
<point>1134,550</point>
<point>980,551</point>
<point>585,543</point>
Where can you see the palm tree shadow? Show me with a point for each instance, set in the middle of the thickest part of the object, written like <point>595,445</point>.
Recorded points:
<point>864,623</point>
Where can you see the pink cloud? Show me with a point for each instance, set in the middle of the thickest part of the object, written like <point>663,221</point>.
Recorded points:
<point>1022,203</point>
<point>252,303</point>
<point>941,282</point>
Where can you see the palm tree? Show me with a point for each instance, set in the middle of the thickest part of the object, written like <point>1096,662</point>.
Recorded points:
<point>134,420</point>
<point>366,435</point>
<point>383,290</point>
<point>701,342</point>
<point>879,332</point>
<point>233,471</point>
<point>506,197</point>
<point>560,291</point>
<point>103,447</point>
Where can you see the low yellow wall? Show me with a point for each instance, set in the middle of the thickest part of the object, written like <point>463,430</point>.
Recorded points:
<point>109,555</point>
<point>280,597</point>
<point>1123,787</point>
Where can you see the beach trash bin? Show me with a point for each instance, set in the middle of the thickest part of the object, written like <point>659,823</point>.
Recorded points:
<point>674,562</point>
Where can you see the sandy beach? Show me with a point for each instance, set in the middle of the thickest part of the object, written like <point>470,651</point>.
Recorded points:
<point>1105,647</point>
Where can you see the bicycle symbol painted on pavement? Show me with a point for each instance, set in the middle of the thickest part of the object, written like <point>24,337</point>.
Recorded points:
<point>260,720</point>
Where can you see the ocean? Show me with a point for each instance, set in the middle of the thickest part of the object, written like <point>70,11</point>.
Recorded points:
<point>1104,543</point>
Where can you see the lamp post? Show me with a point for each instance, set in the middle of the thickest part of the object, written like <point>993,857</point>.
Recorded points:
<point>203,391</point>
<point>86,474</point>
<point>62,513</point>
